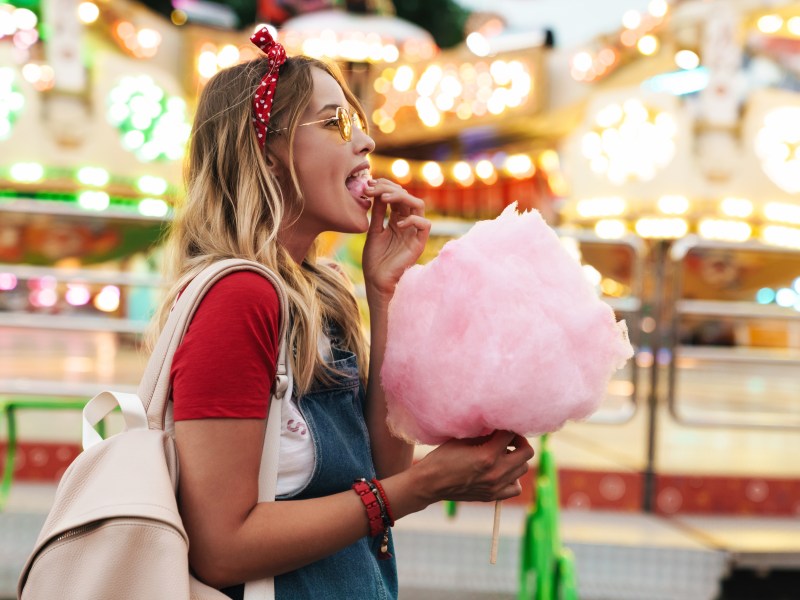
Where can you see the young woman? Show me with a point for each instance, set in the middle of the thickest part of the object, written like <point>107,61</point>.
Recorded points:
<point>278,155</point>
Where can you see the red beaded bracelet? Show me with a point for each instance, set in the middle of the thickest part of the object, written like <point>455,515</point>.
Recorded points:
<point>385,502</point>
<point>370,501</point>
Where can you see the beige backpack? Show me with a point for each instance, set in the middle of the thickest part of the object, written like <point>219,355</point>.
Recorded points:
<point>114,531</point>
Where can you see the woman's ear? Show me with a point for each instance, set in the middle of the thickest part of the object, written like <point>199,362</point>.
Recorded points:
<point>277,165</point>
<point>277,154</point>
<point>269,156</point>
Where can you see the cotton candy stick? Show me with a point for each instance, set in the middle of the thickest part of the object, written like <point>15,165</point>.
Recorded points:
<point>495,531</point>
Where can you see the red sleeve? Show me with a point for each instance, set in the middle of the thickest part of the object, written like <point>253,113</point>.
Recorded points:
<point>225,365</point>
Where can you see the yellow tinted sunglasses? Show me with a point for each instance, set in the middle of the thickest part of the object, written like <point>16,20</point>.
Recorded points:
<point>346,120</point>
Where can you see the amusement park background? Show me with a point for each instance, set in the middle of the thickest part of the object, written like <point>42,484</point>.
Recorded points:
<point>661,139</point>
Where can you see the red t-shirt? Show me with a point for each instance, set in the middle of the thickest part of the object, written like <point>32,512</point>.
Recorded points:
<point>225,365</point>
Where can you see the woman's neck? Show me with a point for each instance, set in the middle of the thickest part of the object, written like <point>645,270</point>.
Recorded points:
<point>297,243</point>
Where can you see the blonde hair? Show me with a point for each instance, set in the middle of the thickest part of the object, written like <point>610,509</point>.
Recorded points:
<point>235,205</point>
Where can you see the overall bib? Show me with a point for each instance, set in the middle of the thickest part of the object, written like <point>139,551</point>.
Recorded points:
<point>334,416</point>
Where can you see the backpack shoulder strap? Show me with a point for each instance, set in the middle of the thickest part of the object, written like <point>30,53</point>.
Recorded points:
<point>155,384</point>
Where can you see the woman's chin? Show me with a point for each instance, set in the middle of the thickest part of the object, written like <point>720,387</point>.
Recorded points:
<point>354,227</point>
<point>363,227</point>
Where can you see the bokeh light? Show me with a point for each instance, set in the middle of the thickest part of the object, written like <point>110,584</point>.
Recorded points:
<point>88,12</point>
<point>630,141</point>
<point>153,125</point>
<point>107,300</point>
<point>11,102</point>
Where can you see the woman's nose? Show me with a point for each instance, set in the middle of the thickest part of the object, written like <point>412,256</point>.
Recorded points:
<point>365,143</point>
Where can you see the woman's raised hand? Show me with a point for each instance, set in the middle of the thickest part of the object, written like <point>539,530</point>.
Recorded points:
<point>481,469</point>
<point>395,244</point>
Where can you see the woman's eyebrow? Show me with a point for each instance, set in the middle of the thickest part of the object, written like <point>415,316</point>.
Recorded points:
<point>328,107</point>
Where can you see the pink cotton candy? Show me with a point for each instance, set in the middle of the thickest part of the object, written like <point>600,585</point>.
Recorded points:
<point>502,330</point>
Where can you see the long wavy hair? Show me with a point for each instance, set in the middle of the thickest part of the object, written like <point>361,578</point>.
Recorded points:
<point>238,198</point>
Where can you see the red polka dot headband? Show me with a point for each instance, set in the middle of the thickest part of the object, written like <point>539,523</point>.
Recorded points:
<point>265,94</point>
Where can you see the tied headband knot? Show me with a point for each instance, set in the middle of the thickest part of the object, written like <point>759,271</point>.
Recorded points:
<point>265,94</point>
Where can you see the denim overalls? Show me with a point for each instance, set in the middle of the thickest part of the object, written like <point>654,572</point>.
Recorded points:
<point>335,417</point>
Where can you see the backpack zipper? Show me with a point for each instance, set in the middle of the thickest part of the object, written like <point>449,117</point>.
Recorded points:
<point>77,531</point>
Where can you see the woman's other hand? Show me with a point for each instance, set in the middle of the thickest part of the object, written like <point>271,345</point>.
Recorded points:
<point>483,469</point>
<point>395,244</point>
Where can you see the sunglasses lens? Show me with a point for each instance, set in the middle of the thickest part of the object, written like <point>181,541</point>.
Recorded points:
<point>345,124</point>
<point>359,122</point>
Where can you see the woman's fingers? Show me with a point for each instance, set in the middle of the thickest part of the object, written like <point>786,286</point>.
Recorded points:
<point>515,461</point>
<point>520,471</point>
<point>403,198</point>
<point>484,469</point>
<point>389,192</point>
<point>501,440</point>
<point>377,216</point>
<point>522,447</point>
<point>377,187</point>
<point>382,185</point>
<point>421,224</point>
<point>510,491</point>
